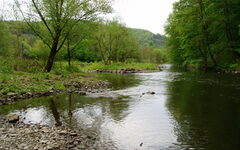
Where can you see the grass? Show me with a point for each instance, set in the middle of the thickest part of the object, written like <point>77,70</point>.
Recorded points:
<point>117,66</point>
<point>22,82</point>
<point>24,75</point>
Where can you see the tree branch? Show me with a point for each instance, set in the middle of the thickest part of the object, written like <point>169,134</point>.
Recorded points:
<point>42,18</point>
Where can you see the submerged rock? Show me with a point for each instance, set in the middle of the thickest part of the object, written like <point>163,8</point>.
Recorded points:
<point>149,92</point>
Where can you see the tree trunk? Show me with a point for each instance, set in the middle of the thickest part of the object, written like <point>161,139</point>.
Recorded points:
<point>69,58</point>
<point>52,54</point>
<point>69,53</point>
<point>50,61</point>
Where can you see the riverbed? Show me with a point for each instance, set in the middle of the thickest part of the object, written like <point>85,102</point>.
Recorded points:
<point>171,109</point>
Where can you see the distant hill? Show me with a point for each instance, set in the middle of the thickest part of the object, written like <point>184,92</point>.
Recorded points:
<point>147,38</point>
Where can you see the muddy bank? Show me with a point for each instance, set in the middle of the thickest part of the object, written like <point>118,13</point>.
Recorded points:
<point>22,136</point>
<point>71,87</point>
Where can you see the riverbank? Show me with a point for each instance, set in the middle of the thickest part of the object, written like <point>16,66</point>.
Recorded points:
<point>16,85</point>
<point>22,85</point>
<point>27,136</point>
<point>136,67</point>
<point>227,70</point>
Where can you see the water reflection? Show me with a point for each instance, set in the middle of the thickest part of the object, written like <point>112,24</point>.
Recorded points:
<point>72,110</point>
<point>120,81</point>
<point>36,115</point>
<point>55,112</point>
<point>206,108</point>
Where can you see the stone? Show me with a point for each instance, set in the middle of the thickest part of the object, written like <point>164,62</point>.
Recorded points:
<point>73,134</point>
<point>63,132</point>
<point>11,94</point>
<point>152,93</point>
<point>12,118</point>
<point>29,93</point>
<point>82,93</point>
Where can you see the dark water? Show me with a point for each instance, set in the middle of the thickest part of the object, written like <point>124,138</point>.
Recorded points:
<point>190,110</point>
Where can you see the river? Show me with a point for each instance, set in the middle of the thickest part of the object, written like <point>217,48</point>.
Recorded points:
<point>189,110</point>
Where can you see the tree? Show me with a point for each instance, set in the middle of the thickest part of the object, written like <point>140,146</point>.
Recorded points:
<point>115,43</point>
<point>4,39</point>
<point>53,20</point>
<point>82,32</point>
<point>204,33</point>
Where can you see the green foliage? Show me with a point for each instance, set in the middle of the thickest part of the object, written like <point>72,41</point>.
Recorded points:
<point>4,78</point>
<point>146,38</point>
<point>4,39</point>
<point>54,21</point>
<point>79,44</point>
<point>115,43</point>
<point>38,51</point>
<point>119,65</point>
<point>151,54</point>
<point>10,88</point>
<point>59,86</point>
<point>62,68</point>
<point>31,50</point>
<point>204,33</point>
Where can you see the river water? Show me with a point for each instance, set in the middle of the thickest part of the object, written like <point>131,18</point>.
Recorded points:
<point>189,110</point>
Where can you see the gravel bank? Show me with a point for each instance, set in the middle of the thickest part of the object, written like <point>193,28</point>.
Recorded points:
<point>36,137</point>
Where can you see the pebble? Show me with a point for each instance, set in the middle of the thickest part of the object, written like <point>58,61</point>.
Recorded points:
<point>37,137</point>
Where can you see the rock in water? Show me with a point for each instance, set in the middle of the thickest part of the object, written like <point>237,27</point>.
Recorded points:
<point>12,118</point>
<point>152,93</point>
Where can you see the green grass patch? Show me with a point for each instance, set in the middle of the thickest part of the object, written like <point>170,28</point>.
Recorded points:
<point>117,66</point>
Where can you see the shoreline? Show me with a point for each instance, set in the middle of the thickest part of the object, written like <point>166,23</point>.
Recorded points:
<point>10,98</point>
<point>124,71</point>
<point>82,87</point>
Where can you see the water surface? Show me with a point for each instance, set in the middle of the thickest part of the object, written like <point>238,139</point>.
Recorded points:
<point>190,110</point>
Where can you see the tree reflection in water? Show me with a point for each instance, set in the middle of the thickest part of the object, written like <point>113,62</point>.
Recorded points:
<point>206,110</point>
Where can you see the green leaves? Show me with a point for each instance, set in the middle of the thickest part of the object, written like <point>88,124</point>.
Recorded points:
<point>115,43</point>
<point>205,30</point>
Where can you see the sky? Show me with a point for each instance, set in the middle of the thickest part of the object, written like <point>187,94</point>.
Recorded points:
<point>144,14</point>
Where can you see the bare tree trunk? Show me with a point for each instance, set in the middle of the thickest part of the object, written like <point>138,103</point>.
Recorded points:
<point>69,58</point>
<point>69,53</point>
<point>50,61</point>
<point>52,54</point>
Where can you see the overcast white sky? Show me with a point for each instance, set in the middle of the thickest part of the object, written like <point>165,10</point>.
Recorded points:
<point>144,14</point>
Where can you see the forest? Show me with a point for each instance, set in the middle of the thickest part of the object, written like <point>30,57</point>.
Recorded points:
<point>205,34</point>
